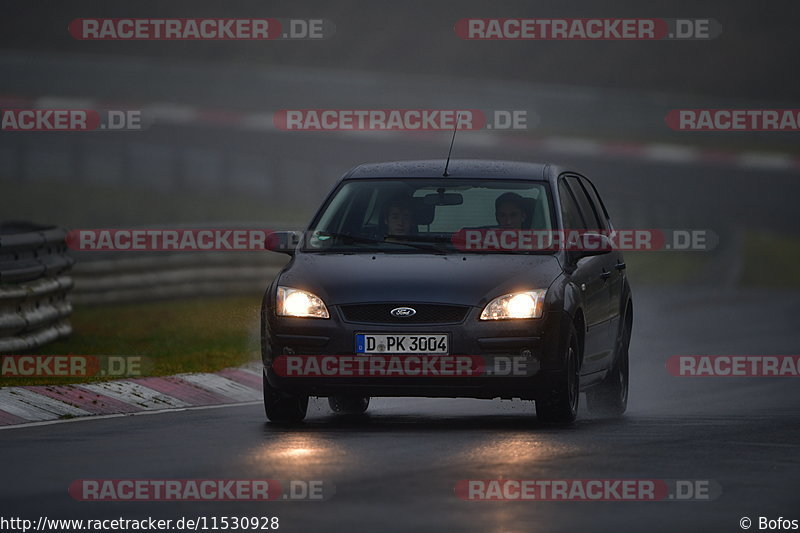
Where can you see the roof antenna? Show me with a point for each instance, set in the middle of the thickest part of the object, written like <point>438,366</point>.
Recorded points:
<point>450,151</point>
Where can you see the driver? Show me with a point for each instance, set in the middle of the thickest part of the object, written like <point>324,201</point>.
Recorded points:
<point>398,216</point>
<point>510,210</point>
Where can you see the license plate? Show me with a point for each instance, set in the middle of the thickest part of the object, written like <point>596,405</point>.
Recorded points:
<point>413,343</point>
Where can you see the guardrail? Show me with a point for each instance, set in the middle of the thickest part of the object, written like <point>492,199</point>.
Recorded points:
<point>138,278</point>
<point>34,282</point>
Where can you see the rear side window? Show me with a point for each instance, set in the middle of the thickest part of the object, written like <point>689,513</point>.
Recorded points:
<point>585,204</point>
<point>597,203</point>
<point>569,208</point>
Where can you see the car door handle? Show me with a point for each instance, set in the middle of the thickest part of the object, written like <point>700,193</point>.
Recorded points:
<point>605,275</point>
<point>620,266</point>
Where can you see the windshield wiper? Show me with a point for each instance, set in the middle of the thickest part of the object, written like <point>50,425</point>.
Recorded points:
<point>409,240</point>
<point>346,237</point>
<point>422,238</point>
<point>369,240</point>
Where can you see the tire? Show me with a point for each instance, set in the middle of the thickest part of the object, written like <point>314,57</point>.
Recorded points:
<point>559,405</point>
<point>349,405</point>
<point>610,397</point>
<point>282,408</point>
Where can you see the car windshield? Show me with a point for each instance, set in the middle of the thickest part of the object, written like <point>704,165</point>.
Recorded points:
<point>428,215</point>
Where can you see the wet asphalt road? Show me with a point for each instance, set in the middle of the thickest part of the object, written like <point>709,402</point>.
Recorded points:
<point>396,469</point>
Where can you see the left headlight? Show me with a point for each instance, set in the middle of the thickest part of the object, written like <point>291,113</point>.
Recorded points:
<point>298,303</point>
<point>527,304</point>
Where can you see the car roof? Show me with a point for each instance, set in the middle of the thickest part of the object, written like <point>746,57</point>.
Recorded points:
<point>458,168</point>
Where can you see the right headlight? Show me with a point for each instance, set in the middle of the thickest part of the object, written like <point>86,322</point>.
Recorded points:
<point>516,305</point>
<point>299,303</point>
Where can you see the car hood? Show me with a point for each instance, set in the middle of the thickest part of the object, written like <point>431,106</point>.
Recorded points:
<point>457,279</point>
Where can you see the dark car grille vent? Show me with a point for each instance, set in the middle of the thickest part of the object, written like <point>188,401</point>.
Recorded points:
<point>425,313</point>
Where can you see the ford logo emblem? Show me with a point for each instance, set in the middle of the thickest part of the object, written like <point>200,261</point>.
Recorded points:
<point>402,312</point>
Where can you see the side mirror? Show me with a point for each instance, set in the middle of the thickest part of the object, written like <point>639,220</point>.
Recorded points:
<point>589,245</point>
<point>283,241</point>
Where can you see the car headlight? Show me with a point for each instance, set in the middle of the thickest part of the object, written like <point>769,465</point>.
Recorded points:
<point>294,302</point>
<point>528,304</point>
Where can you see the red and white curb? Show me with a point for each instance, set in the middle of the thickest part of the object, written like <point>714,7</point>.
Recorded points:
<point>42,403</point>
<point>679,154</point>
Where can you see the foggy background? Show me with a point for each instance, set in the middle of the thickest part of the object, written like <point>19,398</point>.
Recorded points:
<point>225,163</point>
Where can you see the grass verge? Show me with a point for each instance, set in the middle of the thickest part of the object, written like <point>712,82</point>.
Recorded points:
<point>197,335</point>
<point>656,268</point>
<point>770,260</point>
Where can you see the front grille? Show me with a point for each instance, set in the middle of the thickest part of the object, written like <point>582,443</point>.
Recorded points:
<point>426,313</point>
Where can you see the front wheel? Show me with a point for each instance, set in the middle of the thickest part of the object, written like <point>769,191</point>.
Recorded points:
<point>610,397</point>
<point>283,408</point>
<point>559,405</point>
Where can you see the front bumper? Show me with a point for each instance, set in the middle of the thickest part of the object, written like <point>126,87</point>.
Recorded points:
<point>535,341</point>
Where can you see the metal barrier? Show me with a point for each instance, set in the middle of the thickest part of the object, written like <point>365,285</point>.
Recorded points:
<point>135,278</point>
<point>34,281</point>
